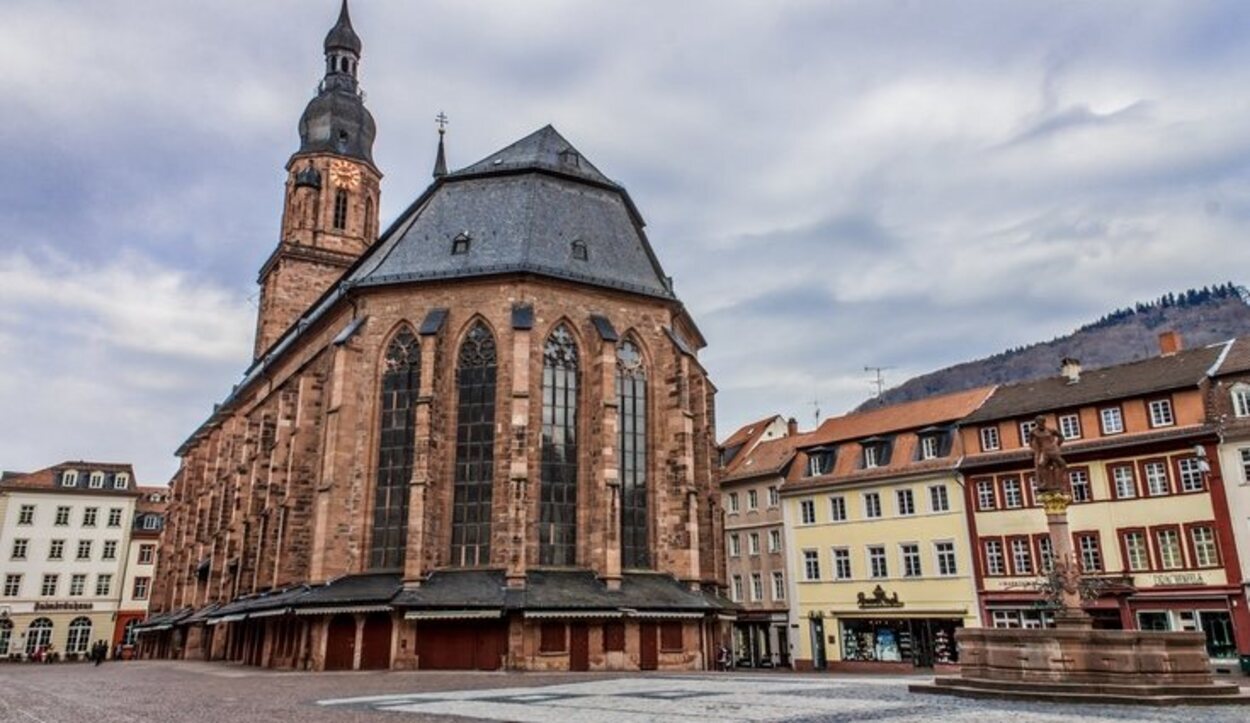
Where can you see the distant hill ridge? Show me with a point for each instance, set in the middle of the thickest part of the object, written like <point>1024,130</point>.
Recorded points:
<point>1201,316</point>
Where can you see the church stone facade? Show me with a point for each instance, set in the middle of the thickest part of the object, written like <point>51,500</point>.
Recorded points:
<point>479,439</point>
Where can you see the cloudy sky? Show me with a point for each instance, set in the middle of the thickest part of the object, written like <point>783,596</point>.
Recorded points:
<point>832,184</point>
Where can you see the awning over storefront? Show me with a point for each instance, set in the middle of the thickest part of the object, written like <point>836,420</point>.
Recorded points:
<point>453,614</point>
<point>341,609</point>
<point>572,614</point>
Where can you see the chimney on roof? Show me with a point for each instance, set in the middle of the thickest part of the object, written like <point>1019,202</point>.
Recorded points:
<point>1170,342</point>
<point>1071,369</point>
<point>792,427</point>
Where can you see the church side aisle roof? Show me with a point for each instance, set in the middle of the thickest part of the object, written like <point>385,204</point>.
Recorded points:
<point>522,209</point>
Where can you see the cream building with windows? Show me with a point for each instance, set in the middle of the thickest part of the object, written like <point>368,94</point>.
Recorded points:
<point>65,554</point>
<point>880,569</point>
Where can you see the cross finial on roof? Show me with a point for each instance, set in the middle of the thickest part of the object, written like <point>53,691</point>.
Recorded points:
<point>440,161</point>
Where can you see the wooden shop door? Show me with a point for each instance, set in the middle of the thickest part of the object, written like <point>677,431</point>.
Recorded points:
<point>461,646</point>
<point>375,643</point>
<point>579,647</point>
<point>492,642</point>
<point>648,651</point>
<point>341,643</point>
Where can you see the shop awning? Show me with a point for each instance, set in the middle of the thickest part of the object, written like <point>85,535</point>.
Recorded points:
<point>344,609</point>
<point>453,615</point>
<point>269,613</point>
<point>664,615</point>
<point>572,614</point>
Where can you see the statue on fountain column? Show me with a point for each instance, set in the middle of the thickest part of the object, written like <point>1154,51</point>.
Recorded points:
<point>1052,470</point>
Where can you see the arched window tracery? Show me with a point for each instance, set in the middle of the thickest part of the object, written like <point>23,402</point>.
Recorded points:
<point>631,393</point>
<point>557,517</point>
<point>476,368</point>
<point>401,382</point>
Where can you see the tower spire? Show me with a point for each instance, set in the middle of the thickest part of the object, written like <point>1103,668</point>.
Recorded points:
<point>440,161</point>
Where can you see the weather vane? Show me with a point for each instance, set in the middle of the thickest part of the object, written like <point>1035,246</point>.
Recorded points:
<point>441,120</point>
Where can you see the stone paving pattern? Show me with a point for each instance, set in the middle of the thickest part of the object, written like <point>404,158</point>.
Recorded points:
<point>184,691</point>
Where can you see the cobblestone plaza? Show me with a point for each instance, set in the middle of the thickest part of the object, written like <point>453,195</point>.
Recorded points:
<point>185,691</point>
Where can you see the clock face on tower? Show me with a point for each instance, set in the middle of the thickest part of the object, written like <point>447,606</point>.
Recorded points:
<point>344,174</point>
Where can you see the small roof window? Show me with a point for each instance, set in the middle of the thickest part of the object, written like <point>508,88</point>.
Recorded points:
<point>460,244</point>
<point>580,252</point>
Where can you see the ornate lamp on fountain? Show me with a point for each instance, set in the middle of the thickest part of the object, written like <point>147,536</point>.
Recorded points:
<point>1073,662</point>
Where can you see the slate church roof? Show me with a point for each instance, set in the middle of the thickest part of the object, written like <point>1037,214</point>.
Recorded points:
<point>524,209</point>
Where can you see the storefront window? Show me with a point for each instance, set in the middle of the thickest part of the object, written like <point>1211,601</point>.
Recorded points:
<point>922,642</point>
<point>1219,629</point>
<point>1023,618</point>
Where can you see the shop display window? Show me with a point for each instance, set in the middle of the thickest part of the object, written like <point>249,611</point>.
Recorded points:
<point>921,641</point>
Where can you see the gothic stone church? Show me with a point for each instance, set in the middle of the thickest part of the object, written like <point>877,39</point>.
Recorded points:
<point>478,439</point>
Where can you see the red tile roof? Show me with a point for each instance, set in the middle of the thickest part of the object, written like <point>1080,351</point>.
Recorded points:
<point>768,457</point>
<point>47,478</point>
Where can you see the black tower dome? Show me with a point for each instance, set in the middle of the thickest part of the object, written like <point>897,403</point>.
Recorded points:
<point>336,121</point>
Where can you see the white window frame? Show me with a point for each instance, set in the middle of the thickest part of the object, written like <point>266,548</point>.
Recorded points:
<point>84,550</point>
<point>757,587</point>
<point>1161,413</point>
<point>1026,431</point>
<point>807,511</point>
<point>929,446</point>
<point>1245,465</point>
<point>733,502</point>
<point>62,516</point>
<point>1008,486</point>
<point>774,540</point>
<point>995,557</point>
<point>872,502</point>
<point>96,480</point>
<point>1118,482</point>
<point>939,498</point>
<point>990,441</point>
<point>77,584</point>
<point>753,500</point>
<point>1189,471</point>
<point>151,522</point>
<point>147,554</point>
<point>51,581</point>
<point>811,565</point>
<point>983,486</point>
<point>56,549</point>
<point>1138,556</point>
<point>142,586</point>
<point>90,516</point>
<point>12,584</point>
<point>837,508</point>
<point>945,560</point>
<point>120,481</point>
<point>1152,490</point>
<point>753,543</point>
<point>1022,551</point>
<point>109,551</point>
<point>115,517</point>
<point>1241,400</point>
<point>871,456</point>
<point>878,562</point>
<point>735,545</point>
<point>1164,556</point>
<point>69,478</point>
<point>20,550</point>
<point>1088,496</point>
<point>1045,554</point>
<point>26,515</point>
<point>104,584</point>
<point>1093,549</point>
<point>1111,420</point>
<point>774,496</point>
<point>905,499</point>
<point>909,556</point>
<point>842,563</point>
<point>1070,426</point>
<point>1206,553</point>
<point>779,585</point>
<point>736,589</point>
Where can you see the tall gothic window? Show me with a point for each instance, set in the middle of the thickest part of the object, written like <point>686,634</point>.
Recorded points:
<point>557,517</point>
<point>400,385</point>
<point>631,392</point>
<point>475,449</point>
<point>340,209</point>
<point>368,217</point>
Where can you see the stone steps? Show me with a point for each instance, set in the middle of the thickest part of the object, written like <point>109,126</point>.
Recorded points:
<point>1087,693</point>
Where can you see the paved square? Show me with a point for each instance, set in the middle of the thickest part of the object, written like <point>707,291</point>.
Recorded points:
<point>181,692</point>
<point>780,697</point>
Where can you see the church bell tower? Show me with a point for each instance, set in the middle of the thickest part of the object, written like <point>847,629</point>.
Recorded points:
<point>331,211</point>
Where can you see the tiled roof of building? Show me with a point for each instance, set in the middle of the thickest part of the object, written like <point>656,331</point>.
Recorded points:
<point>520,210</point>
<point>897,417</point>
<point>1074,449</point>
<point>49,478</point>
<point>552,590</point>
<point>1182,369</point>
<point>897,426</point>
<point>737,448</point>
<point>771,456</point>
<point>1237,359</point>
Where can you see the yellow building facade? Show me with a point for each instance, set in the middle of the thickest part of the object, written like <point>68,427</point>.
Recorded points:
<point>880,566</point>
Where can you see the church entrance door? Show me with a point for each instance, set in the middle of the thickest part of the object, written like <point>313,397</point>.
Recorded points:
<point>648,651</point>
<point>341,643</point>
<point>579,647</point>
<point>477,645</point>
<point>375,644</point>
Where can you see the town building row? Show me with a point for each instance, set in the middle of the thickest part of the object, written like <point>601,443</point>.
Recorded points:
<point>78,545</point>
<point>867,542</point>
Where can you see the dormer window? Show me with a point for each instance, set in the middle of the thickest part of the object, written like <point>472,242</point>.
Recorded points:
<point>120,480</point>
<point>820,461</point>
<point>875,452</point>
<point>580,253</point>
<point>929,445</point>
<point>932,443</point>
<point>1241,400</point>
<point>460,244</point>
<point>570,158</point>
<point>96,481</point>
<point>69,478</point>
